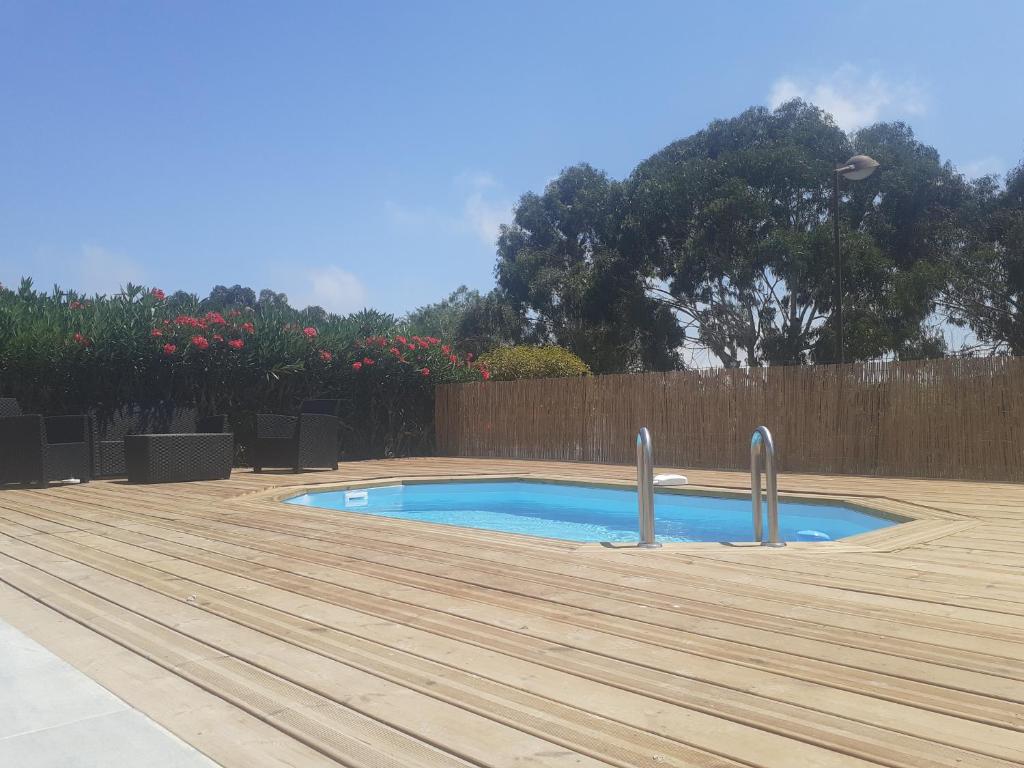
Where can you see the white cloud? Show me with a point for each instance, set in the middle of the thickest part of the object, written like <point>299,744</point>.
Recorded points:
<point>983,166</point>
<point>852,97</point>
<point>484,217</point>
<point>483,210</point>
<point>99,270</point>
<point>332,288</point>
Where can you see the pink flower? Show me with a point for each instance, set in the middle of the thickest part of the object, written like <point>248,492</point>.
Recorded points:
<point>157,294</point>
<point>394,351</point>
<point>368,361</point>
<point>401,340</point>
<point>156,333</point>
<point>214,318</point>
<point>310,332</point>
<point>485,374</point>
<point>326,356</point>
<point>82,339</point>
<point>357,366</point>
<point>200,342</point>
<point>170,349</point>
<point>236,343</point>
<point>218,337</point>
<point>425,371</point>
<point>248,327</point>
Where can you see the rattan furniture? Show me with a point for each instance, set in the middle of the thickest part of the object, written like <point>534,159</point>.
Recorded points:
<point>37,449</point>
<point>175,458</point>
<point>306,441</point>
<point>111,427</point>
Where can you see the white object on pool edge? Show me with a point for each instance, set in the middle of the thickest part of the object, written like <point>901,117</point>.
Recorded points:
<point>670,480</point>
<point>356,498</point>
<point>813,536</point>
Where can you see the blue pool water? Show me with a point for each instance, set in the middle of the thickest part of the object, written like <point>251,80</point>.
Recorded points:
<point>588,513</point>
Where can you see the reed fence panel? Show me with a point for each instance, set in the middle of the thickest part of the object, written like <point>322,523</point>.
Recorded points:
<point>954,418</point>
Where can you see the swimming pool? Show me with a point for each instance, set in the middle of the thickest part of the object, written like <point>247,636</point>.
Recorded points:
<point>589,513</point>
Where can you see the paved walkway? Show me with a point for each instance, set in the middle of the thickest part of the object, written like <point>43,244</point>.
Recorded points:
<point>53,716</point>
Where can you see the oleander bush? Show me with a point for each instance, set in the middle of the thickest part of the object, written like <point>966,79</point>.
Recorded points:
<point>64,353</point>
<point>528,362</point>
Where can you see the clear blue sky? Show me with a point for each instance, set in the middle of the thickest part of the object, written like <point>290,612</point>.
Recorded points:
<point>363,154</point>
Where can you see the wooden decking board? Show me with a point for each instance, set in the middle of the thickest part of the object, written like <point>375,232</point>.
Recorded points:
<point>732,615</point>
<point>889,610</point>
<point>563,655</point>
<point>873,665</point>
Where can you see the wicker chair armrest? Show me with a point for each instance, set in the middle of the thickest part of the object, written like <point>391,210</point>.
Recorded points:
<point>275,425</point>
<point>67,429</point>
<point>318,439</point>
<point>17,428</point>
<point>218,423</point>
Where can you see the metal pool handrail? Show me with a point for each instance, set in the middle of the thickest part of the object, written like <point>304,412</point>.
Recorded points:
<point>645,489</point>
<point>762,457</point>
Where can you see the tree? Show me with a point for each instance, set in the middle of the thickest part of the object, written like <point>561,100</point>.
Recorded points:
<point>236,297</point>
<point>562,270</point>
<point>735,223</point>
<point>471,321</point>
<point>986,289</point>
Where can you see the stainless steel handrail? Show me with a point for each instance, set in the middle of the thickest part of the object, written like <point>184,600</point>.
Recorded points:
<point>645,489</point>
<point>762,457</point>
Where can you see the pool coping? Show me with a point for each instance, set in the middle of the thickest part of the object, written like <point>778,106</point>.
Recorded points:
<point>915,524</point>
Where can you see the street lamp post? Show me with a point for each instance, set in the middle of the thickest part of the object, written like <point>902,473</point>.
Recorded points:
<point>856,168</point>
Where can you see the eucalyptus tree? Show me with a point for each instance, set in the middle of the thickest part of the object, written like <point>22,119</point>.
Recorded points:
<point>986,289</point>
<point>734,223</point>
<point>561,267</point>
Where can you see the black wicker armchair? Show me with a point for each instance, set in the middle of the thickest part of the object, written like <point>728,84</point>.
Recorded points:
<point>37,449</point>
<point>110,428</point>
<point>306,441</point>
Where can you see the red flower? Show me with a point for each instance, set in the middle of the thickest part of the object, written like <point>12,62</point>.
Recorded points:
<point>156,332</point>
<point>310,332</point>
<point>236,343</point>
<point>216,318</point>
<point>75,305</point>
<point>157,294</point>
<point>357,366</point>
<point>248,327</point>
<point>218,337</point>
<point>425,371</point>
<point>170,349</point>
<point>446,349</point>
<point>485,374</point>
<point>200,342</point>
<point>82,339</point>
<point>368,361</point>
<point>394,351</point>
<point>453,359</point>
<point>326,356</point>
<point>401,340</point>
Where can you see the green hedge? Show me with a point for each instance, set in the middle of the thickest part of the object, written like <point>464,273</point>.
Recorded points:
<point>62,353</point>
<point>526,362</point>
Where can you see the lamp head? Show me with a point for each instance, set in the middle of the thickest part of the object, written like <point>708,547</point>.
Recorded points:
<point>858,167</point>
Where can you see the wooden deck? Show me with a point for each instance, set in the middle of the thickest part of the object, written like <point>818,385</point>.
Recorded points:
<point>272,635</point>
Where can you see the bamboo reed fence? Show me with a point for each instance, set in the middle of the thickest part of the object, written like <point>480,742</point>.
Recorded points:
<point>953,418</point>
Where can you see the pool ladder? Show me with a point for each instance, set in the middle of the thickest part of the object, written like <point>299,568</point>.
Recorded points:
<point>645,489</point>
<point>762,458</point>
